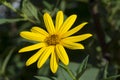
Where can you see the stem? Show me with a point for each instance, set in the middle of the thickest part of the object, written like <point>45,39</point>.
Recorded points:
<point>25,16</point>
<point>9,6</point>
<point>68,71</point>
<point>21,14</point>
<point>5,62</point>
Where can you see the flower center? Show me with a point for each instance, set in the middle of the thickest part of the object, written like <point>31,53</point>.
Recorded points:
<point>52,39</point>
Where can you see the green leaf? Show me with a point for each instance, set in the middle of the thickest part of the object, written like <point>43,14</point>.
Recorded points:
<point>85,1</point>
<point>42,78</point>
<point>90,74</point>
<point>83,65</point>
<point>29,9</point>
<point>6,60</point>
<point>54,78</point>
<point>69,72</point>
<point>45,78</point>
<point>82,68</point>
<point>9,5</point>
<point>63,5</point>
<point>105,72</point>
<point>112,77</point>
<point>2,21</point>
<point>0,65</point>
<point>48,5</point>
<point>63,74</point>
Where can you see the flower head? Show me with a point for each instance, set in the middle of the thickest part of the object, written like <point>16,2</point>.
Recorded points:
<point>51,43</point>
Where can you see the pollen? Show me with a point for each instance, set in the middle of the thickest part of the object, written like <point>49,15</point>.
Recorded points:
<point>52,39</point>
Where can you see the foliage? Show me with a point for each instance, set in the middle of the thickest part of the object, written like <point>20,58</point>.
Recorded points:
<point>103,48</point>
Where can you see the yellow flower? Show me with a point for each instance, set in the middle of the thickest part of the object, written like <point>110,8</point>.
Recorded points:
<point>52,42</point>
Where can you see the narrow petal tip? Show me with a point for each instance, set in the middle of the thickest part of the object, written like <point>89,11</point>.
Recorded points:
<point>90,35</point>
<point>24,32</point>
<point>45,15</point>
<point>27,64</point>
<point>60,11</point>
<point>82,47</point>
<point>20,51</point>
<point>84,23</point>
<point>66,63</point>
<point>74,15</point>
<point>54,70</point>
<point>21,33</point>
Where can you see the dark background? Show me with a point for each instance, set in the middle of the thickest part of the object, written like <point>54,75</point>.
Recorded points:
<point>104,47</point>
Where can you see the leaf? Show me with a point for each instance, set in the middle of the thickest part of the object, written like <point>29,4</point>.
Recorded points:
<point>112,77</point>
<point>54,78</point>
<point>29,9</point>
<point>63,5</point>
<point>90,74</point>
<point>48,5</point>
<point>83,65</point>
<point>105,72</point>
<point>45,78</point>
<point>82,68</point>
<point>2,21</point>
<point>42,78</point>
<point>85,1</point>
<point>6,60</point>
<point>63,74</point>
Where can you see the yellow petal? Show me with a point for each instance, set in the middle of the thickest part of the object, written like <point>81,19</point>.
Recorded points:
<point>32,47</point>
<point>59,20</point>
<point>49,23</point>
<point>67,24</point>
<point>39,30</point>
<point>77,38</point>
<point>53,62</point>
<point>74,30</point>
<point>61,53</point>
<point>45,56</point>
<point>35,57</point>
<point>71,45</point>
<point>32,36</point>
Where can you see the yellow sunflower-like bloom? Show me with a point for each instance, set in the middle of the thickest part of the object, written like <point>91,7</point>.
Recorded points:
<point>51,43</point>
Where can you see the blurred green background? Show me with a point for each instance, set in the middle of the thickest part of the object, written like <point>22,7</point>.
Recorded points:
<point>103,48</point>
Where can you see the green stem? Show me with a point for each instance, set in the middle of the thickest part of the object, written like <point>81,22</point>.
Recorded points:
<point>13,9</point>
<point>9,6</point>
<point>68,71</point>
<point>5,62</point>
<point>25,17</point>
